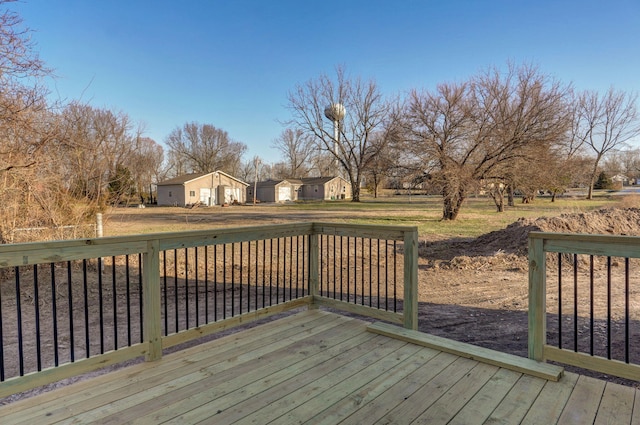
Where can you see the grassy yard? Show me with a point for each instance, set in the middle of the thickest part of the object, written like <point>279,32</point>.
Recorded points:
<point>478,215</point>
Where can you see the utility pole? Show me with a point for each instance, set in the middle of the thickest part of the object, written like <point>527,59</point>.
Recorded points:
<point>256,163</point>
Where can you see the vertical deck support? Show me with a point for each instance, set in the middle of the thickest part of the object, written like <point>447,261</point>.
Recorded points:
<point>152,300</point>
<point>537,298</point>
<point>314,268</point>
<point>411,279</point>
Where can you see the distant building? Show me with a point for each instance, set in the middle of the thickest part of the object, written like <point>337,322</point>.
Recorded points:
<point>215,188</point>
<point>312,188</point>
<point>275,190</point>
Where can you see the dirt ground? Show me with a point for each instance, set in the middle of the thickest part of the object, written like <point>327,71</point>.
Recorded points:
<point>472,290</point>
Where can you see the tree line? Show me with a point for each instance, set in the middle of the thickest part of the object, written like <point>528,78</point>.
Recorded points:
<point>501,132</point>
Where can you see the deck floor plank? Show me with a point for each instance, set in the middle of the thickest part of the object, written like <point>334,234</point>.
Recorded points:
<point>484,402</point>
<point>397,393</point>
<point>447,406</point>
<point>635,416</point>
<point>415,404</point>
<point>616,406</point>
<point>549,405</point>
<point>515,405</point>
<point>317,367</point>
<point>583,404</point>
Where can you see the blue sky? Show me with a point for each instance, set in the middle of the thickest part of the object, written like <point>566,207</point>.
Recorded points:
<point>231,63</point>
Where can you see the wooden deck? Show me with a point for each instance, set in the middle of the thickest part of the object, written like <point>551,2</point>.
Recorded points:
<point>321,368</point>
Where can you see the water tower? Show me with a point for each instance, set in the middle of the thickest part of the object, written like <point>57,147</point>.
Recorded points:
<point>335,112</point>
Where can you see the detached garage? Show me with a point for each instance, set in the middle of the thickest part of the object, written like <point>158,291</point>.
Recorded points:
<point>275,190</point>
<point>215,188</point>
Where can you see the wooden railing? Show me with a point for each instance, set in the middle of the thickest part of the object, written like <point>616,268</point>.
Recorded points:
<point>584,301</point>
<point>70,307</point>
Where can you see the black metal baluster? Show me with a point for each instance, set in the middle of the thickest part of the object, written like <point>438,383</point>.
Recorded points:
<point>241,280</point>
<point>591,304</point>
<point>379,264</point>
<point>386,275</point>
<point>127,278</point>
<point>559,300</point>
<point>186,287</point>
<point>166,295</point>
<point>72,343</point>
<point>278,257</point>
<point>348,269</point>
<point>233,279</point>
<point>395,276</point>
<point>264,272</point>
<point>101,305</point>
<point>54,316</point>
<point>215,283</point>
<point>305,260</point>
<point>114,296</point>
<point>36,305</point>
<point>175,289</point>
<point>291,268</point>
<point>575,302</point>
<point>19,318</point>
<point>85,286</point>
<point>197,296</point>
<point>270,272</point>
<point>257,273</point>
<point>224,281</point>
<point>334,267</point>
<point>609,308</point>
<point>341,266</point>
<point>362,272</point>
<point>248,276</point>
<point>140,298</point>
<point>206,283</point>
<point>370,273</point>
<point>297,264</point>
<point>626,310</point>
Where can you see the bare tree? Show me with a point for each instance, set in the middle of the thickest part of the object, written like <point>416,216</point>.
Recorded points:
<point>146,164</point>
<point>368,115</point>
<point>99,147</point>
<point>28,128</point>
<point>474,132</point>
<point>606,123</point>
<point>296,148</point>
<point>204,148</point>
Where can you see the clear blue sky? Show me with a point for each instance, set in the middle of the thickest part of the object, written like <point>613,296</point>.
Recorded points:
<point>231,63</point>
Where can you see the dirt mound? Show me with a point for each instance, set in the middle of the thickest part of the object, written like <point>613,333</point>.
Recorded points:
<point>508,246</point>
<point>513,239</point>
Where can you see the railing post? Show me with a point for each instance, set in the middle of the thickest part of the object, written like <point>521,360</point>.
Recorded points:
<point>537,299</point>
<point>314,268</point>
<point>411,280</point>
<point>152,300</point>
